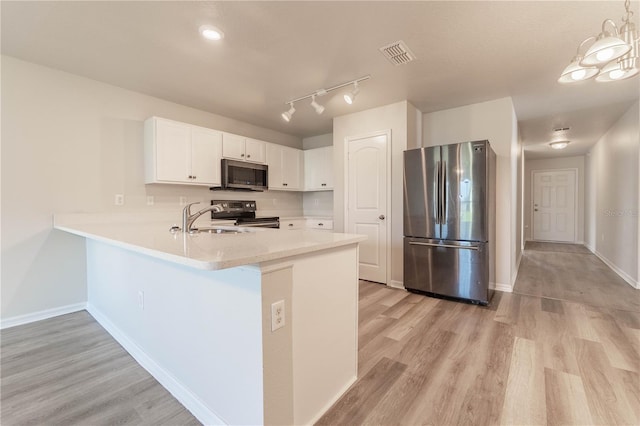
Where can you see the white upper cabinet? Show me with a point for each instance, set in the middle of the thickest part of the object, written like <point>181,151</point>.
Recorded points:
<point>181,153</point>
<point>318,169</point>
<point>286,167</point>
<point>243,149</point>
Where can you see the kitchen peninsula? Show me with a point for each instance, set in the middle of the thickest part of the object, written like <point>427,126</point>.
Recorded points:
<point>196,311</point>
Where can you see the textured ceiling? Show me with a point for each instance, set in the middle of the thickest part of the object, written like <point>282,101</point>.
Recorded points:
<point>467,52</point>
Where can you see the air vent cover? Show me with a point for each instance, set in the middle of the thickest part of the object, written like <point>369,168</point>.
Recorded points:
<point>398,53</point>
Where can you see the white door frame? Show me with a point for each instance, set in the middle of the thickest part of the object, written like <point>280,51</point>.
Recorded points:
<point>387,214</point>
<point>575,198</point>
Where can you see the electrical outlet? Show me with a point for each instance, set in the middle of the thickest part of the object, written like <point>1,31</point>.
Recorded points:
<point>141,299</point>
<point>150,200</point>
<point>183,201</point>
<point>277,315</point>
<point>119,200</point>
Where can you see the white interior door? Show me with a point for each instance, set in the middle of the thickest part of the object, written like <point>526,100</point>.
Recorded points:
<point>367,193</point>
<point>554,206</point>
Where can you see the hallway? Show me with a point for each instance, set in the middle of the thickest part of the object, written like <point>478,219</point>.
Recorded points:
<point>570,272</point>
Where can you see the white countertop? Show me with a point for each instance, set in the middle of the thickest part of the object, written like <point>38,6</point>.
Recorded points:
<point>201,251</point>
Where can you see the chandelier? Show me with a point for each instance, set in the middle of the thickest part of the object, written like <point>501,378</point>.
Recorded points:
<point>612,55</point>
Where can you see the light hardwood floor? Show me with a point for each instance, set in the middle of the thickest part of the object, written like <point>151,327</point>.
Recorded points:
<point>523,360</point>
<point>69,371</point>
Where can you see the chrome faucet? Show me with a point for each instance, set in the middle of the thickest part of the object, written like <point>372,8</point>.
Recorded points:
<point>188,218</point>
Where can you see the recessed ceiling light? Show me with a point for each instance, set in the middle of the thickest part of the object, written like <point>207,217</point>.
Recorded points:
<point>211,33</point>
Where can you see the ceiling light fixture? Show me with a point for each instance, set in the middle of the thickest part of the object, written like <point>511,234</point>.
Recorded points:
<point>559,144</point>
<point>211,33</point>
<point>351,96</point>
<point>321,92</point>
<point>613,55</point>
<point>319,108</point>
<point>286,116</point>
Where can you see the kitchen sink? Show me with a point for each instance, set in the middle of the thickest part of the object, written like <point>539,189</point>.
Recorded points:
<point>222,230</point>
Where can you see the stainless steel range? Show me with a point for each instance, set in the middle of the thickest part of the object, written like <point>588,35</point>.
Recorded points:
<point>244,212</point>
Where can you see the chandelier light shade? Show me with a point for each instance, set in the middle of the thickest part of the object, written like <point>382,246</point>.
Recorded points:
<point>606,48</point>
<point>612,56</point>
<point>576,72</point>
<point>286,116</point>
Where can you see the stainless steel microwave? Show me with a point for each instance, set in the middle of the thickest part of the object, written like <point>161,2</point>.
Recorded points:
<point>244,175</point>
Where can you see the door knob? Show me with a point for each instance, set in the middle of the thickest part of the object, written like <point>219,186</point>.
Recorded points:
<point>381,217</point>
<point>535,210</point>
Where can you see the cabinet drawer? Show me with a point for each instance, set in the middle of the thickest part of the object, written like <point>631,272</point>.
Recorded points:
<point>292,224</point>
<point>320,224</point>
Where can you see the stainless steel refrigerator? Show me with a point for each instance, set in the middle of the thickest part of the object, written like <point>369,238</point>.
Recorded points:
<point>449,220</point>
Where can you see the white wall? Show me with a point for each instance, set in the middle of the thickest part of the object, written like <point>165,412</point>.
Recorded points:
<point>392,117</point>
<point>555,164</point>
<point>495,121</point>
<point>318,141</point>
<point>612,223</point>
<point>69,145</point>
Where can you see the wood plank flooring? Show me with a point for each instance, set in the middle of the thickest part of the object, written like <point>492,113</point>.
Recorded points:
<point>571,272</point>
<point>69,371</point>
<point>523,360</point>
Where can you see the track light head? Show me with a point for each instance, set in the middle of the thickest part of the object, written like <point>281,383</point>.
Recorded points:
<point>351,96</point>
<point>286,116</point>
<point>319,108</point>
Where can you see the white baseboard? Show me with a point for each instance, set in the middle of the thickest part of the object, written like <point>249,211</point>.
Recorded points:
<point>166,379</point>
<point>333,400</point>
<point>633,283</point>
<point>503,287</point>
<point>514,276</point>
<point>396,284</point>
<point>41,315</point>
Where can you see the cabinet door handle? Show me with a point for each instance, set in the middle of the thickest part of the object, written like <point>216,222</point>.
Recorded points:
<point>291,224</point>
<point>190,177</point>
<point>321,224</point>
<point>241,155</point>
<point>248,155</point>
<point>194,176</point>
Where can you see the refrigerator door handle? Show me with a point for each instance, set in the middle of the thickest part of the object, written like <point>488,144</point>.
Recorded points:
<point>443,191</point>
<point>413,243</point>
<point>438,184</point>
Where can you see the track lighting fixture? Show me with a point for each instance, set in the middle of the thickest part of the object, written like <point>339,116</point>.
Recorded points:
<point>319,108</point>
<point>612,56</point>
<point>286,116</point>
<point>351,96</point>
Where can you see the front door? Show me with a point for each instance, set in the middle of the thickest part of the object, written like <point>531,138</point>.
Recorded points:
<point>554,194</point>
<point>367,203</point>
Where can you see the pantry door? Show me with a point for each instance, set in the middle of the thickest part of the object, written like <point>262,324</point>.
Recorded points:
<point>367,195</point>
<point>554,205</point>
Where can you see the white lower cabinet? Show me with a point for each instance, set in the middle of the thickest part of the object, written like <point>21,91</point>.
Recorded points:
<point>303,223</point>
<point>293,223</point>
<point>321,224</point>
<point>181,153</point>
<point>286,168</point>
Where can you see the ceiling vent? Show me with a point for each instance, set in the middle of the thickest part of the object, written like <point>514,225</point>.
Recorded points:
<point>398,53</point>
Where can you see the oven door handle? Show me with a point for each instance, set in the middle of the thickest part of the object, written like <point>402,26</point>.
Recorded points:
<point>259,224</point>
